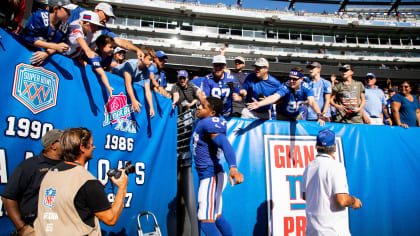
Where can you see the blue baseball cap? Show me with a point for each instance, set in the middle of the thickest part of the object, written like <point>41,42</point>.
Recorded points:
<point>182,73</point>
<point>370,75</point>
<point>160,54</point>
<point>325,138</point>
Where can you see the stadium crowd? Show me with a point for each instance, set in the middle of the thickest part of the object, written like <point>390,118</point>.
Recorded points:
<point>80,34</point>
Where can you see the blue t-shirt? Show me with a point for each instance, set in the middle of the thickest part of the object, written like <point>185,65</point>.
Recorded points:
<point>375,99</point>
<point>220,89</point>
<point>140,77</point>
<point>320,88</point>
<point>160,76</point>
<point>291,101</point>
<point>256,87</point>
<point>38,28</point>
<point>407,110</point>
<point>205,152</point>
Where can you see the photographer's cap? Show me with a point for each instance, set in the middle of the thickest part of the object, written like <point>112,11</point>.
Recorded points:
<point>51,137</point>
<point>325,138</point>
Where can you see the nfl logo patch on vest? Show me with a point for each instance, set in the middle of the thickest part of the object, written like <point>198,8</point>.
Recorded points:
<point>35,87</point>
<point>49,198</point>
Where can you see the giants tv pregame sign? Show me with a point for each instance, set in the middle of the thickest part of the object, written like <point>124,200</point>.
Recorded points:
<point>286,158</point>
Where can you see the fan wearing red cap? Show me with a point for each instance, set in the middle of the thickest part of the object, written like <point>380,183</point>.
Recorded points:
<point>325,189</point>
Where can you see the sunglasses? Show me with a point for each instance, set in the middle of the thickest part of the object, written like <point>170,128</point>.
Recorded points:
<point>405,86</point>
<point>343,71</point>
<point>294,79</point>
<point>239,62</point>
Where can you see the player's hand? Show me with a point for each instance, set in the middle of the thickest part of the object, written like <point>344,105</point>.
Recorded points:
<point>27,230</point>
<point>136,106</point>
<point>253,105</point>
<point>62,47</point>
<point>389,121</point>
<point>357,203</point>
<point>122,181</point>
<point>38,58</point>
<point>235,177</point>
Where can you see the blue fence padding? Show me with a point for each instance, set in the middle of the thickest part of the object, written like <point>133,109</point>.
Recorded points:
<point>80,101</point>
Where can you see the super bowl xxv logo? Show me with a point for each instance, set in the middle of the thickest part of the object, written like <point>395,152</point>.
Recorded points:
<point>35,87</point>
<point>117,111</point>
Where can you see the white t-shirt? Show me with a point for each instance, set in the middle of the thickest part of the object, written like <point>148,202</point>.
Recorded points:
<point>323,178</point>
<point>76,32</point>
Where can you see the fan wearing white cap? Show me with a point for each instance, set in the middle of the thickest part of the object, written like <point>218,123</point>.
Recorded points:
<point>105,13</point>
<point>47,29</point>
<point>221,85</point>
<point>81,34</point>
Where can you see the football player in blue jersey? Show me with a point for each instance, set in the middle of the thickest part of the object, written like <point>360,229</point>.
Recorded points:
<point>209,139</point>
<point>47,30</point>
<point>222,85</point>
<point>291,96</point>
<point>105,13</point>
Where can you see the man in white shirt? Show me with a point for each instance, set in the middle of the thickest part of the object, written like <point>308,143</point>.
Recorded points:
<point>326,191</point>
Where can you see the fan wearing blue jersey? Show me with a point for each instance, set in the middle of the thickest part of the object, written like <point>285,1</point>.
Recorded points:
<point>257,86</point>
<point>105,13</point>
<point>322,91</point>
<point>222,85</point>
<point>47,30</point>
<point>209,140</point>
<point>290,97</point>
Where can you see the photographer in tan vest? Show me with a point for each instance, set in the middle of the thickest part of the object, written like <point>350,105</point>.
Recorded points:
<point>71,200</point>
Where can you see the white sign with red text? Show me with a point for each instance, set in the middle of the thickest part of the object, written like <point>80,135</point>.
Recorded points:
<point>286,158</point>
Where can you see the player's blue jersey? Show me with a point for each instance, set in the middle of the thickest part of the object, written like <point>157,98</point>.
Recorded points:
<point>320,88</point>
<point>38,28</point>
<point>206,153</point>
<point>160,76</point>
<point>256,88</point>
<point>291,101</point>
<point>221,89</point>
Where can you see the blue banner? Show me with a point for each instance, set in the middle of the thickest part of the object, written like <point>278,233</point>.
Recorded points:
<point>382,164</point>
<point>63,94</point>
